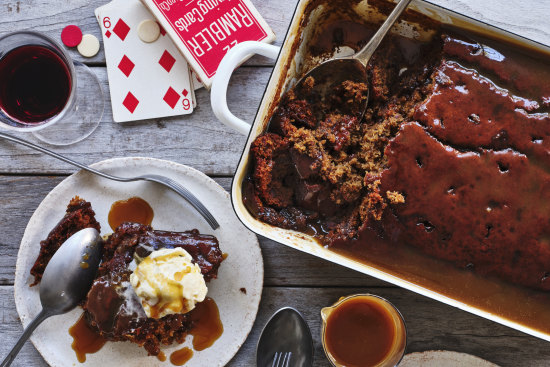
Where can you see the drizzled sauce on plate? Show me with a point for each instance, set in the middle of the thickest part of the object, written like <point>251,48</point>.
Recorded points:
<point>134,209</point>
<point>181,356</point>
<point>208,326</point>
<point>161,356</point>
<point>85,339</point>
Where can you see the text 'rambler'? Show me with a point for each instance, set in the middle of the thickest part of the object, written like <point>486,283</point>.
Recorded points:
<point>219,29</point>
<point>205,30</point>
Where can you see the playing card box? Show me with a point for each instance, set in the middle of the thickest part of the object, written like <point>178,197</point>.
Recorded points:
<point>204,30</point>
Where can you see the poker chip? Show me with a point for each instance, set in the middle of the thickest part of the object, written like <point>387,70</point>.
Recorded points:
<point>71,35</point>
<point>148,31</point>
<point>89,46</point>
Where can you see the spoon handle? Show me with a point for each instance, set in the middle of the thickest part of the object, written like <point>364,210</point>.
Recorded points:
<point>366,52</point>
<point>43,315</point>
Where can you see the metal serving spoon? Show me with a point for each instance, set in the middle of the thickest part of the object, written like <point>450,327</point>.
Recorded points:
<point>168,182</point>
<point>285,341</point>
<point>65,282</point>
<point>334,72</point>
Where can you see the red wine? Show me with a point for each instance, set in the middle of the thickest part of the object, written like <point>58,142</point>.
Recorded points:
<point>35,84</point>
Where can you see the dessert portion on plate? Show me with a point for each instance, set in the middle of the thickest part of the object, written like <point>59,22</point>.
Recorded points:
<point>79,215</point>
<point>148,283</point>
<point>451,158</point>
<point>121,303</point>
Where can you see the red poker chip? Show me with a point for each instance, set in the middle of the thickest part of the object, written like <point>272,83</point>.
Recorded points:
<point>71,36</point>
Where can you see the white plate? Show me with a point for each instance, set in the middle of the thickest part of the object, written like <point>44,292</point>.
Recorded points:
<point>243,267</point>
<point>439,358</point>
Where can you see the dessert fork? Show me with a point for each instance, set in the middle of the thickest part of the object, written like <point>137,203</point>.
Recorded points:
<point>281,359</point>
<point>168,182</point>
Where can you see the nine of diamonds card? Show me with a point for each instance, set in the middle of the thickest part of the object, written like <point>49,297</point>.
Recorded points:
<point>204,30</point>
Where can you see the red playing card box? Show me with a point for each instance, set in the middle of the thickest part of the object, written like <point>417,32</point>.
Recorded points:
<point>204,30</point>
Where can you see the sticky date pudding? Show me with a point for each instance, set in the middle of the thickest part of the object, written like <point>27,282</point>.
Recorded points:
<point>112,308</point>
<point>79,215</point>
<point>452,158</point>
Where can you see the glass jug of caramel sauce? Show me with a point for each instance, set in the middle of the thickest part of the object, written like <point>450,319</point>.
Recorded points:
<point>363,330</point>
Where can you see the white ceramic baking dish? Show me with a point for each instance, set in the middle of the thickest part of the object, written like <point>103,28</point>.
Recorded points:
<point>291,63</point>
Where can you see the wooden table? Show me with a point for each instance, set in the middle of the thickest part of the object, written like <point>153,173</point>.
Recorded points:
<point>199,140</point>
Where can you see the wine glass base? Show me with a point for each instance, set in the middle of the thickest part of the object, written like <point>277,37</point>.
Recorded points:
<point>84,117</point>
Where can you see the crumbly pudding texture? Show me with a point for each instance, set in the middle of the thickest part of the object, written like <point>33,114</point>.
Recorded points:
<point>452,157</point>
<point>79,215</point>
<point>112,307</point>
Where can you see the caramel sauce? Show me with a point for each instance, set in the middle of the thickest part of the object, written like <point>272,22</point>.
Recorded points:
<point>161,356</point>
<point>518,137</point>
<point>181,356</point>
<point>133,209</point>
<point>157,310</point>
<point>225,255</point>
<point>360,332</point>
<point>515,303</point>
<point>83,263</point>
<point>208,326</point>
<point>85,339</point>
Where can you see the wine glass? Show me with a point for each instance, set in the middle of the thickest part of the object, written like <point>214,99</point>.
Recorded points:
<point>44,92</point>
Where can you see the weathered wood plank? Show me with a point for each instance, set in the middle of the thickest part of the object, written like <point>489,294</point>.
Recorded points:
<point>430,326</point>
<point>43,16</point>
<point>21,195</point>
<point>198,140</point>
<point>522,17</point>
<point>201,141</point>
<point>517,16</point>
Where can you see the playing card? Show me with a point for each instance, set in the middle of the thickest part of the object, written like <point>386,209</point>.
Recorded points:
<point>204,30</point>
<point>146,80</point>
<point>197,84</point>
<point>193,88</point>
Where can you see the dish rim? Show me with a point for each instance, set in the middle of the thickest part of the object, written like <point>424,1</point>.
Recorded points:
<point>307,243</point>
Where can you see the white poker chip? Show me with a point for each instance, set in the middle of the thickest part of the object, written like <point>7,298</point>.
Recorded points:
<point>148,31</point>
<point>89,46</point>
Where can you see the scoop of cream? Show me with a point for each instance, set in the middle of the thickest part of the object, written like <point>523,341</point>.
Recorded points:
<point>167,282</point>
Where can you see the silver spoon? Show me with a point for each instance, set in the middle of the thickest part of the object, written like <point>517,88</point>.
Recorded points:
<point>334,72</point>
<point>285,341</point>
<point>168,182</point>
<point>65,281</point>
